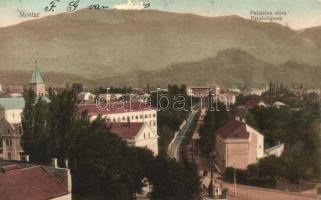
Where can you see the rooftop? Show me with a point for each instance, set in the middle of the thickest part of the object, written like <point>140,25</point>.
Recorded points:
<point>36,76</point>
<point>29,183</point>
<point>112,108</point>
<point>125,130</point>
<point>12,103</point>
<point>234,129</point>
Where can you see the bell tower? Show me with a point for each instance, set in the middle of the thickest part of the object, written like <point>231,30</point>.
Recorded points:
<point>37,84</point>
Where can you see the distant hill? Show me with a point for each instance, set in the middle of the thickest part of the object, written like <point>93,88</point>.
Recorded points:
<point>52,79</point>
<point>121,47</point>
<point>231,67</point>
<point>314,34</point>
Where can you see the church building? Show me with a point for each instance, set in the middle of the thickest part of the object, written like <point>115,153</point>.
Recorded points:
<point>37,84</point>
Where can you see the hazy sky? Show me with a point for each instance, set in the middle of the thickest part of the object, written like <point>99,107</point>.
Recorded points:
<point>300,13</point>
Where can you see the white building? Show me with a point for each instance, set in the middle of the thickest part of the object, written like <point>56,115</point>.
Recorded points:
<point>238,145</point>
<point>278,104</point>
<point>275,150</point>
<point>316,91</point>
<point>227,98</point>
<point>123,112</point>
<point>204,91</point>
<point>10,127</point>
<point>86,96</point>
<point>256,91</point>
<point>137,134</point>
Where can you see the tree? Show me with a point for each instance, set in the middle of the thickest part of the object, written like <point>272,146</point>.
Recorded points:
<point>103,166</point>
<point>35,127</point>
<point>172,181</point>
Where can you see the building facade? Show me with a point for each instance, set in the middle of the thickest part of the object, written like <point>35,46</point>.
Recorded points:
<point>204,91</point>
<point>123,112</point>
<point>137,134</point>
<point>10,127</point>
<point>238,145</point>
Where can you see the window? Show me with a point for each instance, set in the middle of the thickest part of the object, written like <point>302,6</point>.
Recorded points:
<point>8,130</point>
<point>141,116</point>
<point>154,115</point>
<point>144,135</point>
<point>8,142</point>
<point>148,134</point>
<point>123,118</point>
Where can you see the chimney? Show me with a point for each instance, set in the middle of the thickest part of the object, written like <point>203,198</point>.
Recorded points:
<point>54,162</point>
<point>66,161</point>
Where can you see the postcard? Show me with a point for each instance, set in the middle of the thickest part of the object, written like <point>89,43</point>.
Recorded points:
<point>160,99</point>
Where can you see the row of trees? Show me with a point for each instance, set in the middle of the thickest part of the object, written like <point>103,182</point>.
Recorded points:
<point>212,122</point>
<point>102,165</point>
<point>169,120</point>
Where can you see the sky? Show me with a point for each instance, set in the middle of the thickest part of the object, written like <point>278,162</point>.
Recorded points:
<point>299,13</point>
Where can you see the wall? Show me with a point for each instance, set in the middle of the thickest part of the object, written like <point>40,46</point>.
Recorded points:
<point>13,116</point>
<point>137,116</point>
<point>147,138</point>
<point>237,153</point>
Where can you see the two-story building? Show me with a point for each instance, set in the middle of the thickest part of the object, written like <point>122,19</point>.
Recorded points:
<point>136,134</point>
<point>10,127</point>
<point>238,145</point>
<point>132,111</point>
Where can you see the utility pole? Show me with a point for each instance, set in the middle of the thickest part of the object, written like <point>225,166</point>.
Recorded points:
<point>234,183</point>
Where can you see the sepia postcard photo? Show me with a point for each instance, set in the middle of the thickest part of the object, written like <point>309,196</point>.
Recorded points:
<point>160,99</point>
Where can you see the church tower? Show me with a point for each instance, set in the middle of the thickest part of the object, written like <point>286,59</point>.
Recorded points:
<point>37,84</point>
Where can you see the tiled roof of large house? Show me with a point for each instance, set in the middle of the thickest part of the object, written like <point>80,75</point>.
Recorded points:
<point>112,108</point>
<point>125,130</point>
<point>12,103</point>
<point>234,129</point>
<point>33,183</point>
<point>36,76</point>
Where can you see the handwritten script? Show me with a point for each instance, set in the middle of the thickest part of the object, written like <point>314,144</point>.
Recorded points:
<point>72,6</point>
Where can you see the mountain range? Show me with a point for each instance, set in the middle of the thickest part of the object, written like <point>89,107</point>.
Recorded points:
<point>118,47</point>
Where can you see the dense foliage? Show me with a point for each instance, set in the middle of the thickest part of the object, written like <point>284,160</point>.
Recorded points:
<point>212,122</point>
<point>169,119</point>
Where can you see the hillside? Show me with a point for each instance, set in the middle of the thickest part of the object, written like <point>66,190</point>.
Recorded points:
<point>314,34</point>
<point>98,44</point>
<point>231,67</point>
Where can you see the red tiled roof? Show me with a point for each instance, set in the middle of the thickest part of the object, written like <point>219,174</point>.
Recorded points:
<point>33,183</point>
<point>93,109</point>
<point>125,130</point>
<point>234,129</point>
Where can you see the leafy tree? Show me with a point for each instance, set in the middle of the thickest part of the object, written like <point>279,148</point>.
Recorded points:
<point>172,181</point>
